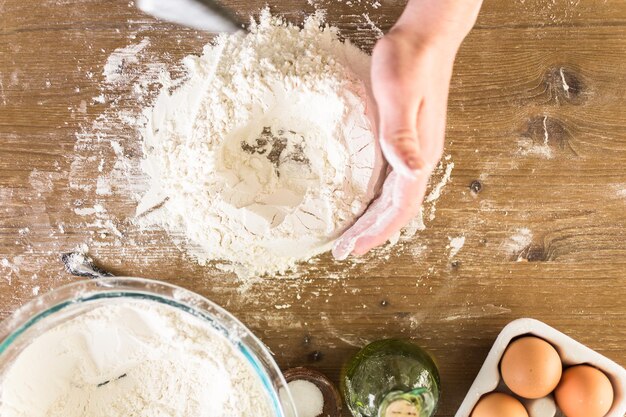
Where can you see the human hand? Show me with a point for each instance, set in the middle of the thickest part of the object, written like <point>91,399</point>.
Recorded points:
<point>410,81</point>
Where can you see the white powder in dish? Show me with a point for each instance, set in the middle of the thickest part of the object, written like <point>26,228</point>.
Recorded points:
<point>132,359</point>
<point>264,155</point>
<point>307,398</point>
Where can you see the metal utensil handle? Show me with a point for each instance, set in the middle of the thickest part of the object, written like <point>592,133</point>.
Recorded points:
<point>206,15</point>
<point>219,9</point>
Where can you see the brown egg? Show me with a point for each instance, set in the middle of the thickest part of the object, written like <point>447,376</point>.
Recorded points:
<point>531,367</point>
<point>497,404</point>
<point>584,391</point>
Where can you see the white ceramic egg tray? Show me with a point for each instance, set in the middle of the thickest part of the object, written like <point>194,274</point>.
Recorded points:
<point>571,352</point>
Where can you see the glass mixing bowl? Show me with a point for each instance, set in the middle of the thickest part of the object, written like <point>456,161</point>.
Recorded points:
<point>72,300</point>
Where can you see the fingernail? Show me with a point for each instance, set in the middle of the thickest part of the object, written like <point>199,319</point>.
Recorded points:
<point>342,249</point>
<point>414,163</point>
<point>399,163</point>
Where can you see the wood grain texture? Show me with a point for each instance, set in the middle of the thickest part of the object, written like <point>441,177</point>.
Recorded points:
<point>536,130</point>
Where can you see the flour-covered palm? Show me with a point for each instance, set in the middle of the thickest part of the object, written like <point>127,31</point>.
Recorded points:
<point>410,82</point>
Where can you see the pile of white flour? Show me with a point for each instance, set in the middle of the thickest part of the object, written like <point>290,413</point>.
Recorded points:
<point>263,155</point>
<point>132,359</point>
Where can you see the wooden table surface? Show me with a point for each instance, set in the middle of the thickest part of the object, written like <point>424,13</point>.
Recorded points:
<point>537,127</point>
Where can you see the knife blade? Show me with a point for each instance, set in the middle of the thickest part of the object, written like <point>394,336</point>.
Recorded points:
<point>205,15</point>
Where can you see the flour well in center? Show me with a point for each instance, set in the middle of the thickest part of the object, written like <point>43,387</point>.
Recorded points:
<point>264,154</point>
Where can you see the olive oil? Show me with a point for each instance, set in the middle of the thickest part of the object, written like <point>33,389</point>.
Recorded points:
<point>391,378</point>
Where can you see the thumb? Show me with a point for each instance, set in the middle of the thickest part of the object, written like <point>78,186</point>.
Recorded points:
<point>399,137</point>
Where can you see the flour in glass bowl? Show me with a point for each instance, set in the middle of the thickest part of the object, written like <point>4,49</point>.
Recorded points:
<point>132,359</point>
<point>264,155</point>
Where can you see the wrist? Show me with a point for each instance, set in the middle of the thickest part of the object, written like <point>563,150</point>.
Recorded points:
<point>424,40</point>
<point>444,23</point>
<point>449,37</point>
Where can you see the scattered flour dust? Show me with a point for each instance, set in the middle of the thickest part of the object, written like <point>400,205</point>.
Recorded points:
<point>119,58</point>
<point>379,33</point>
<point>455,245</point>
<point>619,190</point>
<point>264,155</point>
<point>132,359</point>
<point>517,242</point>
<point>528,146</point>
<point>446,166</point>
